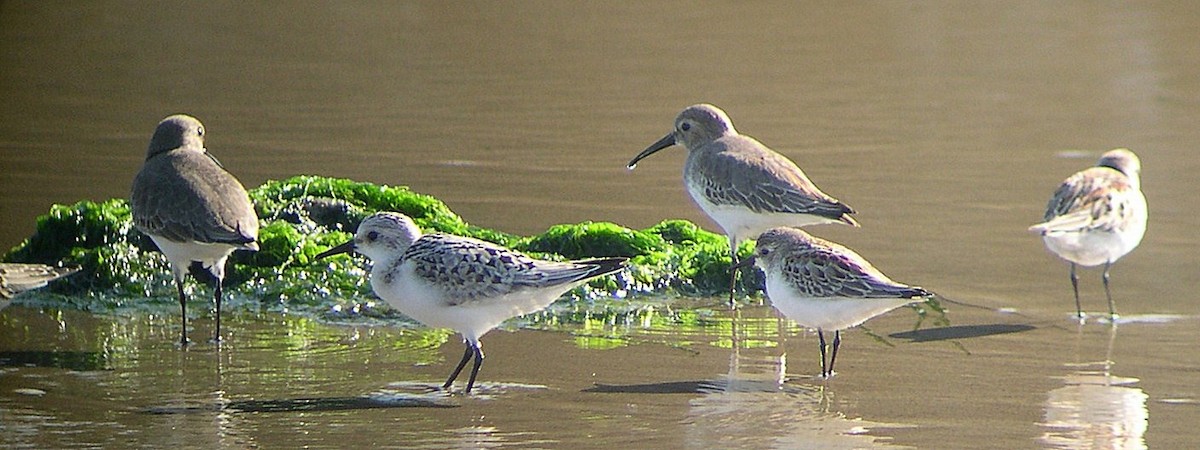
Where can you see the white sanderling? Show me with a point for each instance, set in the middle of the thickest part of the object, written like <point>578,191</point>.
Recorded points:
<point>464,284</point>
<point>824,285</point>
<point>741,184</point>
<point>1097,216</point>
<point>192,208</point>
<point>16,278</point>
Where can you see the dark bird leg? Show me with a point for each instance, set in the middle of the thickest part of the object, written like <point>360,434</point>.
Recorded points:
<point>733,275</point>
<point>463,363</point>
<point>821,340</point>
<point>1112,307</point>
<point>217,273</point>
<point>733,283</point>
<point>1075,287</point>
<point>183,340</point>
<point>475,369</point>
<point>217,333</point>
<point>837,342</point>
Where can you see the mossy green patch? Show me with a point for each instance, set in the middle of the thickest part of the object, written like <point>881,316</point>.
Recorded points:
<point>304,215</point>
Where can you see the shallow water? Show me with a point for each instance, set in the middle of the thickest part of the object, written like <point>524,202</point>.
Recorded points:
<point>701,377</point>
<point>946,125</point>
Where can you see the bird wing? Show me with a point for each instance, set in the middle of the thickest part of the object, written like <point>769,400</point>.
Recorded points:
<point>819,272</point>
<point>188,196</point>
<point>743,172</point>
<point>471,270</point>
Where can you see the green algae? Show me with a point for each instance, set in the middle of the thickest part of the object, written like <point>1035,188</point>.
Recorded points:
<point>304,215</point>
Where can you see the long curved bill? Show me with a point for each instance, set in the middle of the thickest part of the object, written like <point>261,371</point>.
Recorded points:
<point>743,263</point>
<point>665,142</point>
<point>344,248</point>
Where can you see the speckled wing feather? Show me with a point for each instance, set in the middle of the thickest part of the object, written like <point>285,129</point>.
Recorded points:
<point>473,270</point>
<point>188,196</point>
<point>823,272</point>
<point>763,181</point>
<point>1098,198</point>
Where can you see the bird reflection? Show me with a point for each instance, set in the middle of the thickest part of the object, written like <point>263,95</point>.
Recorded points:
<point>1096,409</point>
<point>785,414</point>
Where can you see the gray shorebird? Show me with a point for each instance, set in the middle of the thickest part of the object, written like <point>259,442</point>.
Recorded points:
<point>741,184</point>
<point>16,278</point>
<point>464,284</point>
<point>193,209</point>
<point>823,285</point>
<point>1096,216</point>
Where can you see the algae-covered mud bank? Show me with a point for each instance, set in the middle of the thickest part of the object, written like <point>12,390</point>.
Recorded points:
<point>304,215</point>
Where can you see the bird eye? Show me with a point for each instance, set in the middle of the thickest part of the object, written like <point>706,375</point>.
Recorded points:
<point>372,235</point>
<point>763,252</point>
<point>200,131</point>
<point>685,126</point>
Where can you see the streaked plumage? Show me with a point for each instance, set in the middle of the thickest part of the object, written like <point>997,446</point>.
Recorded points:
<point>824,285</point>
<point>16,278</point>
<point>468,285</point>
<point>193,209</point>
<point>1096,216</point>
<point>741,184</point>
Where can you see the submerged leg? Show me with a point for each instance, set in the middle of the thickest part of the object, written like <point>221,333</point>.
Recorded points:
<point>183,340</point>
<point>475,369</point>
<point>837,342</point>
<point>1075,287</point>
<point>466,357</point>
<point>821,340</point>
<point>1112,307</point>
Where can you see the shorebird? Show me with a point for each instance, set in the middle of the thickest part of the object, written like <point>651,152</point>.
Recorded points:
<point>193,209</point>
<point>1097,216</point>
<point>824,285</point>
<point>464,284</point>
<point>741,184</point>
<point>16,278</point>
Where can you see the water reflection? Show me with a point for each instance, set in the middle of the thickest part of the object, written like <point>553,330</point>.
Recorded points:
<point>755,405</point>
<point>1096,409</point>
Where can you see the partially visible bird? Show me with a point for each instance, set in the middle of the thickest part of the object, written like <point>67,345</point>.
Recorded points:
<point>16,278</point>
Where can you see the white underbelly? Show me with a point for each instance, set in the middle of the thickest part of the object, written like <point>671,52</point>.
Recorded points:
<point>828,313</point>
<point>741,223</point>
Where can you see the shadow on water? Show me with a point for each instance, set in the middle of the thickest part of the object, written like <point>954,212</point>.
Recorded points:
<point>314,404</point>
<point>669,387</point>
<point>961,332</point>
<point>77,361</point>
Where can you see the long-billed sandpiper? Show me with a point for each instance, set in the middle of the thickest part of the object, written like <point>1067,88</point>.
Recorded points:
<point>1097,216</point>
<point>464,284</point>
<point>824,285</point>
<point>16,278</point>
<point>192,208</point>
<point>741,184</point>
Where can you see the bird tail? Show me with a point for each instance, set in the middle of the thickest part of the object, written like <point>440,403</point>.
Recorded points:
<point>603,266</point>
<point>846,219</point>
<point>1063,224</point>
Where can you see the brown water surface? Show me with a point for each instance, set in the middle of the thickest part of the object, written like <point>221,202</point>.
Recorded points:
<point>947,125</point>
